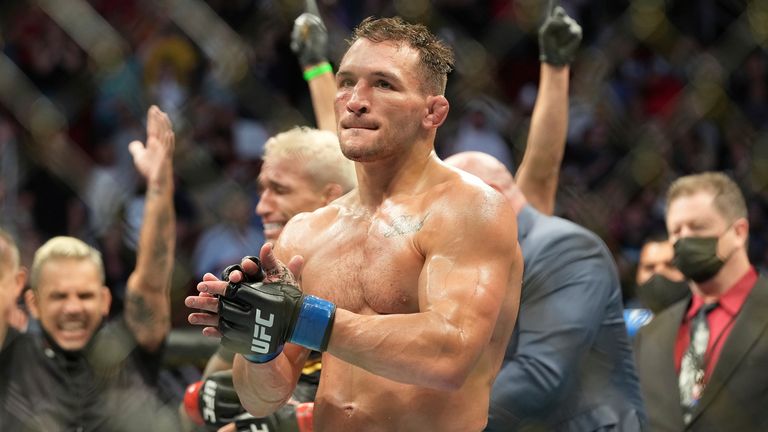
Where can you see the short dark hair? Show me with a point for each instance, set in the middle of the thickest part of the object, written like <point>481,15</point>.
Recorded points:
<point>436,57</point>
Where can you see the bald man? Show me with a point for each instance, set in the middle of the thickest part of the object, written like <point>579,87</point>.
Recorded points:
<point>569,364</point>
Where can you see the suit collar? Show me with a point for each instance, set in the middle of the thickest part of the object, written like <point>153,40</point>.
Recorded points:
<point>659,338</point>
<point>526,218</point>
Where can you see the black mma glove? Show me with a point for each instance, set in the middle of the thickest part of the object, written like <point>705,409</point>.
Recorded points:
<point>257,277</point>
<point>309,39</point>
<point>249,423</point>
<point>559,38</point>
<point>213,401</point>
<point>256,319</point>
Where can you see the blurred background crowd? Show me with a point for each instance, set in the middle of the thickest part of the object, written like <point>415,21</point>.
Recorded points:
<point>660,89</point>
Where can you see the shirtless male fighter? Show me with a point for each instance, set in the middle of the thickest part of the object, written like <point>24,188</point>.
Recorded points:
<point>402,279</point>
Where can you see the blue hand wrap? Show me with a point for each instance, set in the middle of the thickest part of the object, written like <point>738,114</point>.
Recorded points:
<point>312,329</point>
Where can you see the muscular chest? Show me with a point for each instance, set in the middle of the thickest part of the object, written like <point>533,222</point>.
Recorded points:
<point>366,267</point>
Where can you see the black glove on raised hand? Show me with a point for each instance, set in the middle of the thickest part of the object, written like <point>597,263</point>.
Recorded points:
<point>213,401</point>
<point>559,38</point>
<point>309,39</point>
<point>256,319</point>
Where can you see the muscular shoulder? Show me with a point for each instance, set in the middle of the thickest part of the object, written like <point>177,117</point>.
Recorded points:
<point>463,207</point>
<point>465,195</point>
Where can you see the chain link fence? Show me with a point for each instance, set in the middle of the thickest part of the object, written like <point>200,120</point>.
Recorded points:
<point>660,89</point>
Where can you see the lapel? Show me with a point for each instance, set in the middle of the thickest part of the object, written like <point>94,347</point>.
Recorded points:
<point>749,325</point>
<point>659,349</point>
<point>526,218</point>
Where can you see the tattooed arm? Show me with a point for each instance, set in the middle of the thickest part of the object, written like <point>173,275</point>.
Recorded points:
<point>147,303</point>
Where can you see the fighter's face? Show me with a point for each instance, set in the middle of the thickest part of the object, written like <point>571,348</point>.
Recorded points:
<point>286,190</point>
<point>70,301</point>
<point>380,100</point>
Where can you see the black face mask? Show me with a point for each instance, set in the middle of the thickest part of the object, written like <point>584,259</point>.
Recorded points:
<point>696,258</point>
<point>659,293</point>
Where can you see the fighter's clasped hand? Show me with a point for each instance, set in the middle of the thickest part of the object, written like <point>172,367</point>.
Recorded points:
<point>559,38</point>
<point>257,314</point>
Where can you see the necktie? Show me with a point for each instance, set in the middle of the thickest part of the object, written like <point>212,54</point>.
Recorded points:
<point>692,367</point>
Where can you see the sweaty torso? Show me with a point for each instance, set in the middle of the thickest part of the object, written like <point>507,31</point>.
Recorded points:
<point>370,262</point>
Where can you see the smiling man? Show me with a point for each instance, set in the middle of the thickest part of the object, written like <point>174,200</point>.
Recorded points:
<point>81,373</point>
<point>303,170</point>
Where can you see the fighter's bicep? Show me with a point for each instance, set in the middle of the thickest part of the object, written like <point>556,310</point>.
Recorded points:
<point>467,273</point>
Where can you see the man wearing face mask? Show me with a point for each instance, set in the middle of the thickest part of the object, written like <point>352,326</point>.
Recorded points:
<point>659,283</point>
<point>701,361</point>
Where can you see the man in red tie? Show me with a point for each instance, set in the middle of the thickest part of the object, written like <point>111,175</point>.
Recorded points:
<point>701,361</point>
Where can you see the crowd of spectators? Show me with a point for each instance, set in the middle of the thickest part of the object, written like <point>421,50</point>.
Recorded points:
<point>659,91</point>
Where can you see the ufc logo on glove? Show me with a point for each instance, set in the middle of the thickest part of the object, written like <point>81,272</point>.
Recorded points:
<point>209,400</point>
<point>261,340</point>
<point>292,317</point>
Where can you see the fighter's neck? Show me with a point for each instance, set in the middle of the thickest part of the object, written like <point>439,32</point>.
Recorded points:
<point>383,180</point>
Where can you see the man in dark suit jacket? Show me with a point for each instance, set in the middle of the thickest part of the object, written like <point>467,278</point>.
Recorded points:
<point>707,221</point>
<point>569,364</point>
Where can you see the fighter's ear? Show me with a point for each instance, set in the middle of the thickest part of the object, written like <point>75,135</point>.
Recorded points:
<point>437,111</point>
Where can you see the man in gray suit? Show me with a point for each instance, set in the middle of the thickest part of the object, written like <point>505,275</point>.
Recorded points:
<point>569,363</point>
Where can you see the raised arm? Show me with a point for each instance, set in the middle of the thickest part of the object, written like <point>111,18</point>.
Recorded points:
<point>147,303</point>
<point>309,41</point>
<point>539,171</point>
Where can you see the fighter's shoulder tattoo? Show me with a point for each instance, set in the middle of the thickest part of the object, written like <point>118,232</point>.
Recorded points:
<point>405,224</point>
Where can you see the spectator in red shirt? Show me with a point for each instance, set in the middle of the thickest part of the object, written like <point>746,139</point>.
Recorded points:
<point>701,361</point>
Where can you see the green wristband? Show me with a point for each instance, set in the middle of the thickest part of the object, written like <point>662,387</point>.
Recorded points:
<point>316,71</point>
